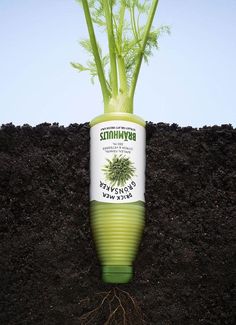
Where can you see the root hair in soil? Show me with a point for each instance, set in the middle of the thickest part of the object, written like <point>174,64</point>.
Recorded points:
<point>116,307</point>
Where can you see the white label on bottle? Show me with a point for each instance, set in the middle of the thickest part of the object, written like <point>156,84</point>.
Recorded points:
<point>117,162</point>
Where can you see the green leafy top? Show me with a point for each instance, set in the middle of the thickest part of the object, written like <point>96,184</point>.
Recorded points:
<point>129,41</point>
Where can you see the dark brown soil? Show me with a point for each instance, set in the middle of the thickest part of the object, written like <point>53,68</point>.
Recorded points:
<point>185,270</point>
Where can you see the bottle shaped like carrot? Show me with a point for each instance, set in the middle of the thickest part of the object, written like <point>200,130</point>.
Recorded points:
<point>117,151</point>
<point>117,174</point>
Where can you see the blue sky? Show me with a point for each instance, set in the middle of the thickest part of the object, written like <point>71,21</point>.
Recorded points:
<point>191,80</point>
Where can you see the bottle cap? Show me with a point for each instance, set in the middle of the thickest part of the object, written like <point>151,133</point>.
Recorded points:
<point>117,273</point>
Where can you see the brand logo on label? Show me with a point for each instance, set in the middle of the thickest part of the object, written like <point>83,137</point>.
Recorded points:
<point>124,135</point>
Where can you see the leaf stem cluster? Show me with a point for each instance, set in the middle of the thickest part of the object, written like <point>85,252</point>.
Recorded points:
<point>128,44</point>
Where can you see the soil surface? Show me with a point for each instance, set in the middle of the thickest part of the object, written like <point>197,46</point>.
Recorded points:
<point>185,269</point>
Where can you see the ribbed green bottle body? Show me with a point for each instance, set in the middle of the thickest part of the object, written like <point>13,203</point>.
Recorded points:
<point>117,230</point>
<point>117,220</point>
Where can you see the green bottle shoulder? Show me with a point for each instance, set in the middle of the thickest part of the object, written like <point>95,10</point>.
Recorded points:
<point>120,116</point>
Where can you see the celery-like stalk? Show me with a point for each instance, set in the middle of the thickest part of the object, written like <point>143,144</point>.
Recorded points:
<point>128,43</point>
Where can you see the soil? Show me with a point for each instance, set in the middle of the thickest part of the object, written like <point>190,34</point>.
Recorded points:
<point>185,269</point>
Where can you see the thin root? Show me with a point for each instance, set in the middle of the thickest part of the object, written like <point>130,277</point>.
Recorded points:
<point>116,307</point>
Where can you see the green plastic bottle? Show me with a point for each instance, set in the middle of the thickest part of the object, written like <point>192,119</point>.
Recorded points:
<point>117,146</point>
<point>117,185</point>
